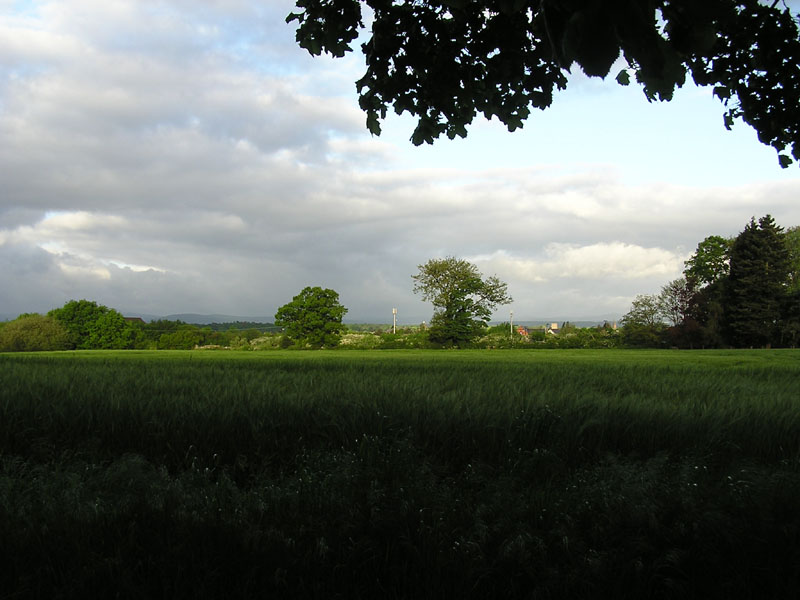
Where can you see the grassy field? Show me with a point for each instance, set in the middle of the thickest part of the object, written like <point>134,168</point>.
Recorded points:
<point>400,474</point>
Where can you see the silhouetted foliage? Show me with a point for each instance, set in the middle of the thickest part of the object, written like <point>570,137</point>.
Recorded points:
<point>757,284</point>
<point>446,61</point>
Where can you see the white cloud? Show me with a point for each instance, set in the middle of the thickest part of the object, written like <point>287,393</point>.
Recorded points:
<point>601,260</point>
<point>80,271</point>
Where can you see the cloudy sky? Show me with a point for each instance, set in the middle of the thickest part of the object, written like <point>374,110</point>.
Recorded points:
<point>175,156</point>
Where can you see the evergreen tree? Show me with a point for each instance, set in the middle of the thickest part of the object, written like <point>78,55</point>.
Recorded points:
<point>756,287</point>
<point>792,239</point>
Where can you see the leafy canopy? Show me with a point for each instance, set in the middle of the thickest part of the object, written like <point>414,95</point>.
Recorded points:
<point>711,260</point>
<point>674,301</point>
<point>33,332</point>
<point>445,61</point>
<point>313,317</point>
<point>463,301</point>
<point>94,326</point>
<point>645,311</point>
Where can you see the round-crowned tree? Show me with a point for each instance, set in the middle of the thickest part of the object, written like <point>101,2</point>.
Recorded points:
<point>93,326</point>
<point>313,317</point>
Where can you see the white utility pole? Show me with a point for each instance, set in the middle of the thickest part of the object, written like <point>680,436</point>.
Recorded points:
<point>512,323</point>
<point>394,320</point>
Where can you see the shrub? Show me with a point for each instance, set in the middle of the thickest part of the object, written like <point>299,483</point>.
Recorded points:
<point>33,332</point>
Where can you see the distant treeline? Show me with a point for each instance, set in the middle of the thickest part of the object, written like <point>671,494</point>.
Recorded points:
<point>86,325</point>
<point>240,326</point>
<point>735,292</point>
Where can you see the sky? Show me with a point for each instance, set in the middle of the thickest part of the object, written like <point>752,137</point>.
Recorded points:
<point>177,156</point>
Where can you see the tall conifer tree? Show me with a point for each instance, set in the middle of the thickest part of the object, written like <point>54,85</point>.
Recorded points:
<point>757,284</point>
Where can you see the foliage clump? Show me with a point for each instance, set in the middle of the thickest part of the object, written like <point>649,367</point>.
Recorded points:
<point>92,326</point>
<point>736,292</point>
<point>463,300</point>
<point>447,61</point>
<point>32,333</point>
<point>313,318</point>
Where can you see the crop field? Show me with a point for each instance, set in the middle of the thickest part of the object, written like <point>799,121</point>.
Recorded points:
<point>400,474</point>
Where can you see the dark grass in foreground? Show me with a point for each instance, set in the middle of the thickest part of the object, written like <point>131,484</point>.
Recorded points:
<point>400,475</point>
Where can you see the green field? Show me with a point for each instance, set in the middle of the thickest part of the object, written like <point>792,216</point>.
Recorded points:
<point>400,474</point>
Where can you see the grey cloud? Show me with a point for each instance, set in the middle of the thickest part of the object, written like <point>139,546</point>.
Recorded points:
<point>219,169</point>
<point>257,257</point>
<point>108,126</point>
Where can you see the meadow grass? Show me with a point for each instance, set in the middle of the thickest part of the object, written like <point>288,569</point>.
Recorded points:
<point>413,474</point>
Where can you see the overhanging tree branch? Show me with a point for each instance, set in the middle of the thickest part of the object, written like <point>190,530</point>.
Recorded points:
<point>446,61</point>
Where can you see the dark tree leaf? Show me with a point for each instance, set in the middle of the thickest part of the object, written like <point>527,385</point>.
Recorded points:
<point>445,61</point>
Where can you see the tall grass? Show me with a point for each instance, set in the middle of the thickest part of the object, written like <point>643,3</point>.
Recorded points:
<point>400,474</point>
<point>461,409</point>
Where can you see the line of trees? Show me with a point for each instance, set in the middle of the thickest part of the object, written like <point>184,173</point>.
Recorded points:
<point>87,325</point>
<point>736,292</point>
<point>463,301</point>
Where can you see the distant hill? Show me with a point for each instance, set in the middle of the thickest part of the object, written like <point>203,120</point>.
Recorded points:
<point>208,319</point>
<point>197,319</point>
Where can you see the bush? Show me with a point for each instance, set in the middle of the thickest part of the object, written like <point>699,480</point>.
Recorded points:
<point>266,342</point>
<point>644,336</point>
<point>393,341</point>
<point>33,332</point>
<point>360,341</point>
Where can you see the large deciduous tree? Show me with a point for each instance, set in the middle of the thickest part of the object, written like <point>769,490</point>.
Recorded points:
<point>642,325</point>
<point>94,326</point>
<point>757,286</point>
<point>706,273</point>
<point>645,311</point>
<point>313,317</point>
<point>710,262</point>
<point>463,300</point>
<point>674,299</point>
<point>445,61</point>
